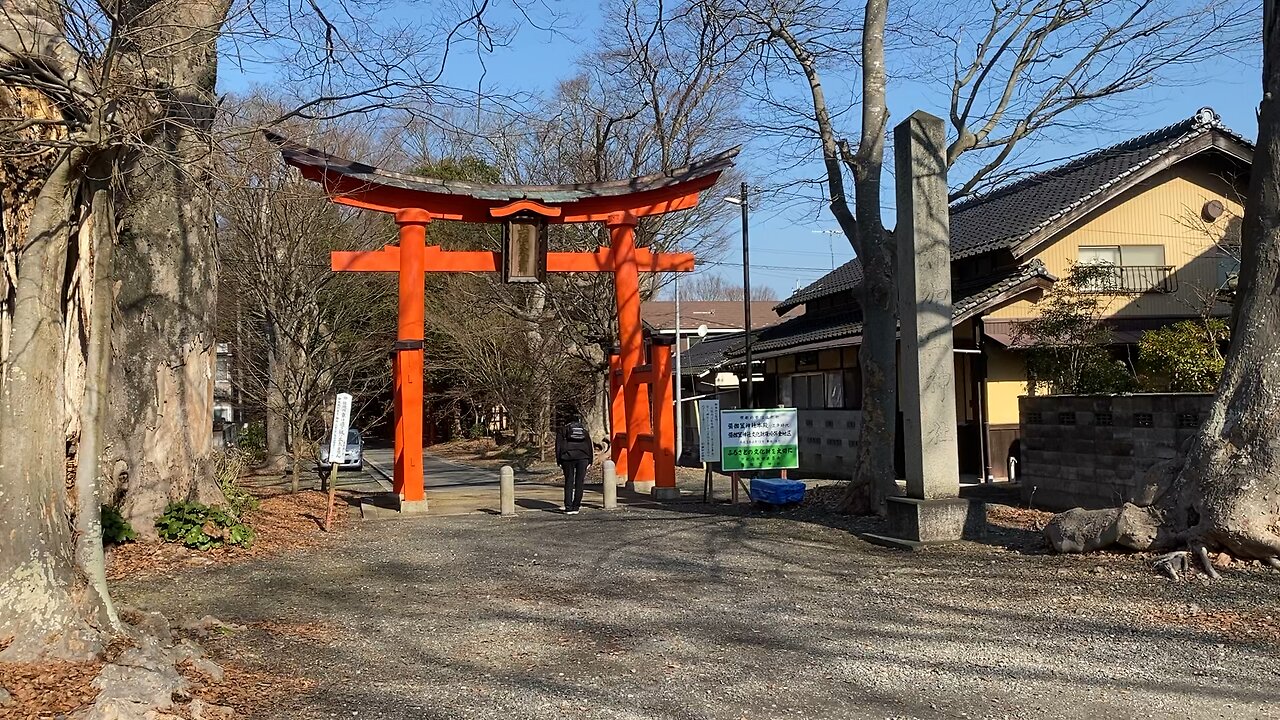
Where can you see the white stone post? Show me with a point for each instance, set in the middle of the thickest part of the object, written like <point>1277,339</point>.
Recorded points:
<point>609,481</point>
<point>507,490</point>
<point>923,236</point>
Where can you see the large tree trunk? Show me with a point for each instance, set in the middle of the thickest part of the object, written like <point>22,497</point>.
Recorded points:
<point>1230,486</point>
<point>276,420</point>
<point>596,412</point>
<point>44,606</point>
<point>1227,495</point>
<point>160,442</point>
<point>874,478</point>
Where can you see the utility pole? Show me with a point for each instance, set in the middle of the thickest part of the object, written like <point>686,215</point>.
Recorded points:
<point>746,300</point>
<point>679,377</point>
<point>742,202</point>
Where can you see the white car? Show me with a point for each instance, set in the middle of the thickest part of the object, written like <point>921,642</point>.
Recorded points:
<point>354,458</point>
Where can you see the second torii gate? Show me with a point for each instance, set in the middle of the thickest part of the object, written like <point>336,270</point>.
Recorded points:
<point>525,209</point>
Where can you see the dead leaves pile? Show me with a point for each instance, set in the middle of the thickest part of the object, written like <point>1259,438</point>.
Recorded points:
<point>1235,625</point>
<point>49,689</point>
<point>1017,518</point>
<point>53,688</point>
<point>249,691</point>
<point>283,522</point>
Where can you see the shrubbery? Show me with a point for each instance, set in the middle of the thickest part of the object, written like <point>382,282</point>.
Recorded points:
<point>253,441</point>
<point>1183,357</point>
<point>115,529</point>
<point>228,465</point>
<point>203,527</point>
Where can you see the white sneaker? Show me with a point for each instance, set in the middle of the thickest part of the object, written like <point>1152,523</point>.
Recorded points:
<point>571,512</point>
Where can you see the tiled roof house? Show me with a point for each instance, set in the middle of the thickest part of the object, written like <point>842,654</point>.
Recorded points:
<point>1160,206</point>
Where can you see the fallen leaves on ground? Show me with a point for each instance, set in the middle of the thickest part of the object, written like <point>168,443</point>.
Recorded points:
<point>298,631</point>
<point>246,690</point>
<point>283,522</point>
<point>1237,625</point>
<point>1018,518</point>
<point>487,454</point>
<point>48,689</point>
<point>53,688</point>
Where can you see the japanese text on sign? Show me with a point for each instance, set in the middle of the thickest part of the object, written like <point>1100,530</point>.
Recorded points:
<point>759,439</point>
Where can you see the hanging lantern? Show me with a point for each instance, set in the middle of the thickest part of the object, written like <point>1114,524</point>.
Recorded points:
<point>524,249</point>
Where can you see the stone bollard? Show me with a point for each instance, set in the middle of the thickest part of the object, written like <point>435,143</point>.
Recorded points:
<point>507,490</point>
<point>610,482</point>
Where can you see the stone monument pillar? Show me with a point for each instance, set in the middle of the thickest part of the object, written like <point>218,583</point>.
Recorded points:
<point>932,510</point>
<point>928,395</point>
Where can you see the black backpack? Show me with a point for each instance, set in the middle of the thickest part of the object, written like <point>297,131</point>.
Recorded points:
<point>575,432</point>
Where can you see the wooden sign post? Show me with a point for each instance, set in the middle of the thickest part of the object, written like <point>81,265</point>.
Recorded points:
<point>337,449</point>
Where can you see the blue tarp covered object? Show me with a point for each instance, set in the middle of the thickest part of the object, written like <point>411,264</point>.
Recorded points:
<point>776,491</point>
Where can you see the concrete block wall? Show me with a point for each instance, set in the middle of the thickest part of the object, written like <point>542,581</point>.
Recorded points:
<point>828,441</point>
<point>1092,451</point>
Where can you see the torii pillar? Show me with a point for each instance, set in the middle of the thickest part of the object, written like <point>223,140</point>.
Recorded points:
<point>638,464</point>
<point>409,350</point>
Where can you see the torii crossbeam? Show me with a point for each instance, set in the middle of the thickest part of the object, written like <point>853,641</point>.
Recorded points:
<point>415,201</point>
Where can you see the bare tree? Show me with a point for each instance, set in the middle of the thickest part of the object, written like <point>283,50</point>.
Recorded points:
<point>704,286</point>
<point>1029,67</point>
<point>305,332</point>
<point>1226,496</point>
<point>105,144</point>
<point>653,97</point>
<point>97,107</point>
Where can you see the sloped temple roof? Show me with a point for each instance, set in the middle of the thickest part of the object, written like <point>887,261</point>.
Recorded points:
<point>1021,213</point>
<point>362,185</point>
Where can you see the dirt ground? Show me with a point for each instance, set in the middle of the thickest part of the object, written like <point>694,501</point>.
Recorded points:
<point>693,611</point>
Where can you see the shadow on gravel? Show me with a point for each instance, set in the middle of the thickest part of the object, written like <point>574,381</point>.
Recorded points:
<point>819,509</point>
<point>715,611</point>
<point>543,505</point>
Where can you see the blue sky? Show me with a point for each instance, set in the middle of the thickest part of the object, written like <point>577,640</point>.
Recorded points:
<point>793,244</point>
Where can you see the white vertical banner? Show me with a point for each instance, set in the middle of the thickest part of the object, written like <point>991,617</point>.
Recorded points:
<point>709,430</point>
<point>341,422</point>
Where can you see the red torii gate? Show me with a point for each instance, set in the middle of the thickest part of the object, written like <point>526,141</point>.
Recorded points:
<point>638,439</point>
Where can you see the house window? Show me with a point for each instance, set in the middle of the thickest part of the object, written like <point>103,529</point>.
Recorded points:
<point>853,389</point>
<point>808,391</point>
<point>1134,268</point>
<point>835,389</point>
<point>815,391</point>
<point>1228,266</point>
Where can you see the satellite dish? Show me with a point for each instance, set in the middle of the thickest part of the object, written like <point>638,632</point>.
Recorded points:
<point>702,330</point>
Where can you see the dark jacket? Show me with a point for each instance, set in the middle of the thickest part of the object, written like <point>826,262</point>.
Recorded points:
<point>567,449</point>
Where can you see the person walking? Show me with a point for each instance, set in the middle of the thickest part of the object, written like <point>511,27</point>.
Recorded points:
<point>573,452</point>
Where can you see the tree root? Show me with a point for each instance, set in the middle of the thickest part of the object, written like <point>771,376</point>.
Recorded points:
<point>1172,565</point>
<point>1202,554</point>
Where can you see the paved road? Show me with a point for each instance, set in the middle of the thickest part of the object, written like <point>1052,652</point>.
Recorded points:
<point>436,473</point>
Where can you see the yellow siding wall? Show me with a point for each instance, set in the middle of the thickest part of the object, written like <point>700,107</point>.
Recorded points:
<point>1164,210</point>
<point>1006,382</point>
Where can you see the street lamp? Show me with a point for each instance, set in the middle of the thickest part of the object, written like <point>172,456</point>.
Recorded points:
<point>742,201</point>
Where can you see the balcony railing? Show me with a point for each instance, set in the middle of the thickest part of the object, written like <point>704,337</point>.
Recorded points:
<point>1133,279</point>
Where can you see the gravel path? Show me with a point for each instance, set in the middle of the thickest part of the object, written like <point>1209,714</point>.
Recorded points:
<point>676,613</point>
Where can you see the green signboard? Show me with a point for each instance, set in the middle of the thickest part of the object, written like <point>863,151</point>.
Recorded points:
<point>759,439</point>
